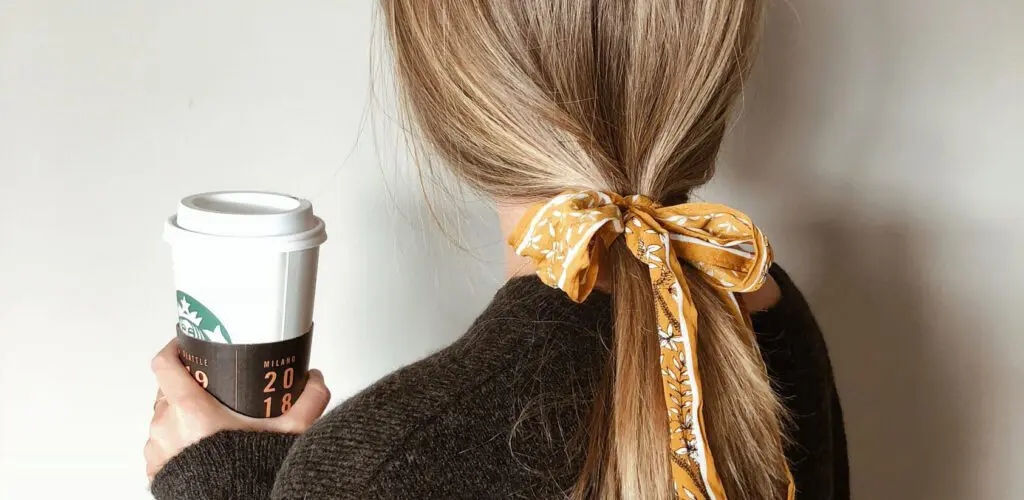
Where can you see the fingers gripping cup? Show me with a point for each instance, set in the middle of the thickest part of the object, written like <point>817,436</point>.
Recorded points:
<point>245,268</point>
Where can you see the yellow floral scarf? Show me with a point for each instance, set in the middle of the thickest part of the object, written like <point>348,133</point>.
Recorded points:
<point>566,237</point>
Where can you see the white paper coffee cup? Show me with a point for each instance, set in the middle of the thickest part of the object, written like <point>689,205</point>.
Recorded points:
<point>245,265</point>
<point>245,271</point>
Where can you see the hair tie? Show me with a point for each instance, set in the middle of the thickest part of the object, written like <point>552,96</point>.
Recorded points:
<point>566,237</point>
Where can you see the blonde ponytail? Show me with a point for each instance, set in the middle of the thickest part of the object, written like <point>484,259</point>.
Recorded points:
<point>639,415</point>
<point>523,100</point>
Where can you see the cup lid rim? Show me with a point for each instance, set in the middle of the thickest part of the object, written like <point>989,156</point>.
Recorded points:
<point>176,235</point>
<point>245,213</point>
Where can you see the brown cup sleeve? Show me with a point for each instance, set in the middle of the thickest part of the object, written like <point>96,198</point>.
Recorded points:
<point>258,380</point>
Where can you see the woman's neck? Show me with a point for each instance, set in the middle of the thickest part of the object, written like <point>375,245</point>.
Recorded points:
<point>509,215</point>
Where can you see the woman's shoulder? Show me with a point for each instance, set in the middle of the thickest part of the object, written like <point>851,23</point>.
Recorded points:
<point>483,407</point>
<point>788,333</point>
<point>795,353</point>
<point>782,307</point>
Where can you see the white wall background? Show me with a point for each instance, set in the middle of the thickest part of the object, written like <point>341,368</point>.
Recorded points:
<point>880,145</point>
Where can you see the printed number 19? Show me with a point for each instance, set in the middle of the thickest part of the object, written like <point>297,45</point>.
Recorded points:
<point>286,383</point>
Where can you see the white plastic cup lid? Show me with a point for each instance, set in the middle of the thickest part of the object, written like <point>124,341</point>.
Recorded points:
<point>271,220</point>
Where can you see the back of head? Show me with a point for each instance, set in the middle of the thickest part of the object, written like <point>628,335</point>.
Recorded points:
<point>523,100</point>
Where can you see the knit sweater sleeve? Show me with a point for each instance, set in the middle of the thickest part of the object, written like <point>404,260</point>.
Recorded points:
<point>227,465</point>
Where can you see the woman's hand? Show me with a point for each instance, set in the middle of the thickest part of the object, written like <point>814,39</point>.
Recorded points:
<point>184,412</point>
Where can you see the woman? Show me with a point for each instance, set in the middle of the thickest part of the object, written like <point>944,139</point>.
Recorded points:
<point>620,360</point>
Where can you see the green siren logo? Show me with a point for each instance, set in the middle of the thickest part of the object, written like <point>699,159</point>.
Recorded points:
<point>196,321</point>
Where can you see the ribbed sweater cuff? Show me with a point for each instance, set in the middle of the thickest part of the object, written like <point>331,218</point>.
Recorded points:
<point>226,465</point>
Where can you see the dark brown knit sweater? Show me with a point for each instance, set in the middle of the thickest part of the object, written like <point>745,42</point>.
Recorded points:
<point>496,414</point>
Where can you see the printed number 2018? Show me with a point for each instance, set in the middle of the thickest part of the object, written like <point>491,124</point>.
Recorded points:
<point>286,383</point>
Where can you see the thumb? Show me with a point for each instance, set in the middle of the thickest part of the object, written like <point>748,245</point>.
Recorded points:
<point>310,405</point>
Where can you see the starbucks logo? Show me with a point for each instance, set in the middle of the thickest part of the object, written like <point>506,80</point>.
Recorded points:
<point>196,321</point>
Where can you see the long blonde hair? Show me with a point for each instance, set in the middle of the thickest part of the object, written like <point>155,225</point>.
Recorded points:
<point>524,99</point>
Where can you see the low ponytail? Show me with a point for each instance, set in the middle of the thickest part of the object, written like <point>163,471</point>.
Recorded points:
<point>524,100</point>
<point>627,450</point>
<point>628,446</point>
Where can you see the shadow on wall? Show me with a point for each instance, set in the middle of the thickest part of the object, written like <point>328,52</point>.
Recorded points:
<point>801,142</point>
<point>901,431</point>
